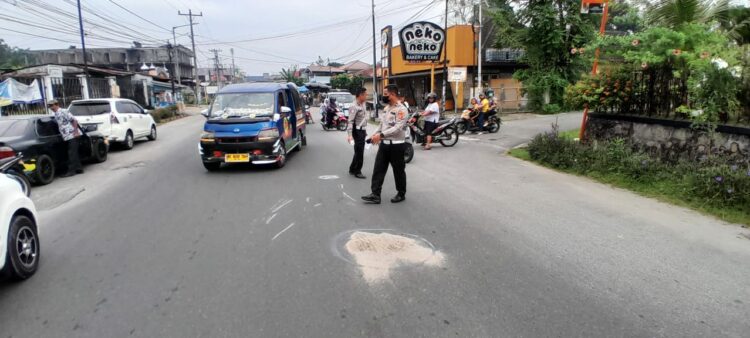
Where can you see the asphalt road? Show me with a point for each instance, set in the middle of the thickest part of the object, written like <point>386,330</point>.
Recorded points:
<point>149,244</point>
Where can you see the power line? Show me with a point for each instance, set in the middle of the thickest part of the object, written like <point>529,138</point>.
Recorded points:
<point>138,16</point>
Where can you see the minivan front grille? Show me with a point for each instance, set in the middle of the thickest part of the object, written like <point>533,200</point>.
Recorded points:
<point>235,140</point>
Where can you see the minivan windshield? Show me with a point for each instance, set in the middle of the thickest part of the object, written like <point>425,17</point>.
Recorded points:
<point>343,98</point>
<point>89,108</point>
<point>243,105</point>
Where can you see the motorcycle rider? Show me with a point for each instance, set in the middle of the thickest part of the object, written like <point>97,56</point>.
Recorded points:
<point>331,109</point>
<point>484,108</point>
<point>431,116</point>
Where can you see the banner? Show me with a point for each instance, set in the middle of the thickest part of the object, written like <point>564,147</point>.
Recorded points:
<point>386,42</point>
<point>14,92</point>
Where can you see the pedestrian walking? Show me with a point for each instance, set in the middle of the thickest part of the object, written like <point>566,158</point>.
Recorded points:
<point>390,136</point>
<point>358,132</point>
<point>70,132</point>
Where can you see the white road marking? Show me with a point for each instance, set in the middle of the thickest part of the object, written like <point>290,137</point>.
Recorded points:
<point>317,205</point>
<point>470,139</point>
<point>328,177</point>
<point>349,197</point>
<point>282,231</point>
<point>270,218</point>
<point>341,186</point>
<point>307,200</point>
<point>281,206</point>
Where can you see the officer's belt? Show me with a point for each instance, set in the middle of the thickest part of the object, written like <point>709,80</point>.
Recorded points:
<point>393,142</point>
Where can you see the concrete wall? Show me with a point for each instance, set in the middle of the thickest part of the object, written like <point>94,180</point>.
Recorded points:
<point>669,138</point>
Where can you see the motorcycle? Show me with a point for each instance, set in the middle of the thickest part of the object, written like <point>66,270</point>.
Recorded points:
<point>340,122</point>
<point>308,116</point>
<point>445,133</point>
<point>13,167</point>
<point>468,121</point>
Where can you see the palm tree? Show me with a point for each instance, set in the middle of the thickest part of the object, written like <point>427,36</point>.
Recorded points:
<point>290,75</point>
<point>673,13</point>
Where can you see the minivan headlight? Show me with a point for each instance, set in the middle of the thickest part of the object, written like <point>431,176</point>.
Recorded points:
<point>208,137</point>
<point>268,135</point>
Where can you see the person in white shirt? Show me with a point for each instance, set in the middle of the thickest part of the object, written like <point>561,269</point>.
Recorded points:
<point>431,116</point>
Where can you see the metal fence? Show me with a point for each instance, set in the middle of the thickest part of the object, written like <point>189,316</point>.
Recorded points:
<point>66,90</point>
<point>133,90</point>
<point>656,92</point>
<point>99,88</point>
<point>510,99</point>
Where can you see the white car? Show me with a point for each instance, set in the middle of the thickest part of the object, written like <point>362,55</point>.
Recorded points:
<point>19,238</point>
<point>344,100</point>
<point>120,120</point>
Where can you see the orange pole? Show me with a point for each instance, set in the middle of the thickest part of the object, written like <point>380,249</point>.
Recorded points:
<point>602,27</point>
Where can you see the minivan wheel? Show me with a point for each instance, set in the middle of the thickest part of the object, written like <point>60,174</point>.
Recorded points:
<point>22,258</point>
<point>45,170</point>
<point>152,135</point>
<point>281,160</point>
<point>129,141</point>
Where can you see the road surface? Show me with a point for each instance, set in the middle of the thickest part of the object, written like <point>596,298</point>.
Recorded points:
<point>149,244</point>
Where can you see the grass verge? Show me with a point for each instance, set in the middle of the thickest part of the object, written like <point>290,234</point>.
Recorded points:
<point>663,191</point>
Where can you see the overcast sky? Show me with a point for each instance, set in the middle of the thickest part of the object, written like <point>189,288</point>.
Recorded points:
<point>266,34</point>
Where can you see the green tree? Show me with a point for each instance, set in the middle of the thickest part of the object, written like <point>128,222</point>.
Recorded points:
<point>547,30</point>
<point>626,16</point>
<point>11,57</point>
<point>290,75</point>
<point>341,81</point>
<point>673,13</point>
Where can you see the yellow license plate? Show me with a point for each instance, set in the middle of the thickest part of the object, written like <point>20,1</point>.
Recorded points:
<point>235,158</point>
<point>28,167</point>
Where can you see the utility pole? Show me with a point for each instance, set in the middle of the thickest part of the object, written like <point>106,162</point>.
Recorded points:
<point>374,66</point>
<point>217,67</point>
<point>233,69</point>
<point>445,60</point>
<point>83,46</point>
<point>479,62</point>
<point>170,50</point>
<point>195,54</point>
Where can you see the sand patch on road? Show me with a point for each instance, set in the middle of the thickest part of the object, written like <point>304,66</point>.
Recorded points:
<point>377,254</point>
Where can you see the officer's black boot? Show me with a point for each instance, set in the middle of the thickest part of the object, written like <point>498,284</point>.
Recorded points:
<point>398,198</point>
<point>372,199</point>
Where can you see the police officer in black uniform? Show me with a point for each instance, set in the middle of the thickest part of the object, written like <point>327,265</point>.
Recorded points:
<point>391,136</point>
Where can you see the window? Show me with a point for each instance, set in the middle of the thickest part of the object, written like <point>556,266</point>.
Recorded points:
<point>123,108</point>
<point>243,104</point>
<point>297,100</point>
<point>282,101</point>
<point>13,128</point>
<point>135,109</point>
<point>90,108</point>
<point>47,127</point>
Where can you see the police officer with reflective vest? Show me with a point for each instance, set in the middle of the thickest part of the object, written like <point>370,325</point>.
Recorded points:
<point>390,135</point>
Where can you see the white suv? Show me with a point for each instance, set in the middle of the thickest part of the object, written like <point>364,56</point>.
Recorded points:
<point>19,238</point>
<point>120,120</point>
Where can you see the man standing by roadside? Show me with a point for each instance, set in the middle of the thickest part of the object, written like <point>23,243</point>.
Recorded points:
<point>392,134</point>
<point>70,133</point>
<point>431,117</point>
<point>358,132</point>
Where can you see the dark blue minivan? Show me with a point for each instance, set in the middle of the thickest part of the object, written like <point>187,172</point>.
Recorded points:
<point>258,123</point>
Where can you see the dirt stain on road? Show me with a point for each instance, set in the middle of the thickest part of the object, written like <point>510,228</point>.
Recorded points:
<point>377,254</point>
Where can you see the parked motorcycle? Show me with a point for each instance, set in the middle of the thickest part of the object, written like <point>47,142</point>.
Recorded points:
<point>13,167</point>
<point>468,122</point>
<point>445,133</point>
<point>340,122</point>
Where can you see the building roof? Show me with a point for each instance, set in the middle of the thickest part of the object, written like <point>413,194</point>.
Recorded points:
<point>354,66</point>
<point>256,87</point>
<point>324,69</point>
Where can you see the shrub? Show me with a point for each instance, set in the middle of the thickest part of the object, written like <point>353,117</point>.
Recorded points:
<point>715,181</point>
<point>164,113</point>
<point>551,109</point>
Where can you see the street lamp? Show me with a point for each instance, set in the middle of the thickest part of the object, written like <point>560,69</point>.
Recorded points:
<point>175,64</point>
